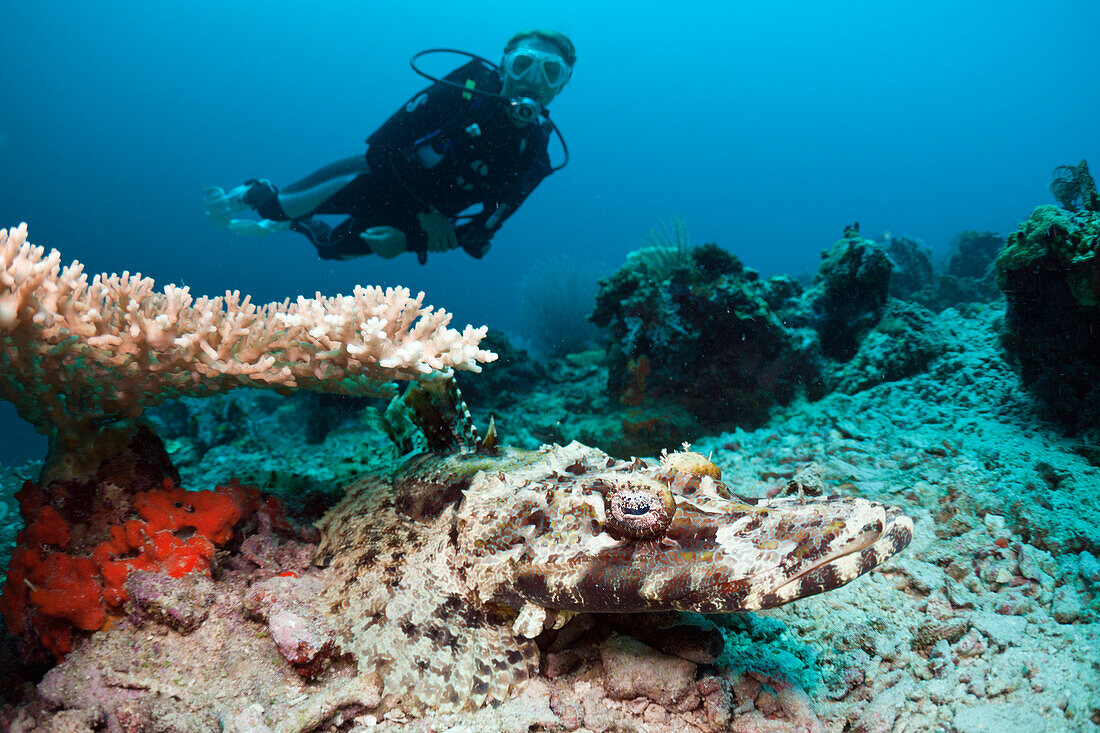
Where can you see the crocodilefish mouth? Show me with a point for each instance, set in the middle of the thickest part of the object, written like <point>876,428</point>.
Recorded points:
<point>748,556</point>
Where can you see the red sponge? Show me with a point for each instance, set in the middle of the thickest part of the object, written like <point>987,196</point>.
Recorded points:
<point>48,528</point>
<point>66,587</point>
<point>175,532</point>
<point>211,514</point>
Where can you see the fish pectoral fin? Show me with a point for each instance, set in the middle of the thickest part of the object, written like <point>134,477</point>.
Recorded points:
<point>531,621</point>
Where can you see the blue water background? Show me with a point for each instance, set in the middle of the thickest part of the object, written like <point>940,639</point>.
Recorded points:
<point>767,126</point>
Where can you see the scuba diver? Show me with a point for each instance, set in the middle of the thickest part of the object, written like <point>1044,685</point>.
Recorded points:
<point>479,136</point>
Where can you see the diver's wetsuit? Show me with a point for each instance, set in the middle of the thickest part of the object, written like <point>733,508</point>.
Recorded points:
<point>446,148</point>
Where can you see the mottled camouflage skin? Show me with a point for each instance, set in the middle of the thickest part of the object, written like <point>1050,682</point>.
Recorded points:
<point>440,577</point>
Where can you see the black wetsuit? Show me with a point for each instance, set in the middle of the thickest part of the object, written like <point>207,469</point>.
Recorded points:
<point>448,148</point>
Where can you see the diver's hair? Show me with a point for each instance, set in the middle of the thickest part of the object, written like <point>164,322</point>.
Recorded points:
<point>568,52</point>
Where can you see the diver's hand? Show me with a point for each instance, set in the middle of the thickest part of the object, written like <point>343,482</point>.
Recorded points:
<point>386,242</point>
<point>440,231</point>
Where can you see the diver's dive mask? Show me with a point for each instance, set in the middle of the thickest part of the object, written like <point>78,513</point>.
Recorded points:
<point>528,64</point>
<point>533,78</point>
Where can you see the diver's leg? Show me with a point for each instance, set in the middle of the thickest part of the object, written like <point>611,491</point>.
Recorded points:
<point>225,207</point>
<point>304,197</point>
<point>347,166</point>
<point>221,205</point>
<point>317,232</point>
<point>341,242</point>
<point>299,199</point>
<point>351,238</point>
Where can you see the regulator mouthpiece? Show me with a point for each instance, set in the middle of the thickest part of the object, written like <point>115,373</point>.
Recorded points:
<point>524,109</point>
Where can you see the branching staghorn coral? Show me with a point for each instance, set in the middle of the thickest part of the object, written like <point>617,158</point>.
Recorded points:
<point>77,354</point>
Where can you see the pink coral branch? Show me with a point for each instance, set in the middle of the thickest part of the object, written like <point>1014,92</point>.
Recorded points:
<point>77,352</point>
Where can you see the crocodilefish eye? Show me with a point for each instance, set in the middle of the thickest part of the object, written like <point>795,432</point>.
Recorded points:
<point>640,509</point>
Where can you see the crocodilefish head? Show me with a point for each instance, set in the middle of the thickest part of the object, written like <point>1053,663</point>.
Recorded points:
<point>601,535</point>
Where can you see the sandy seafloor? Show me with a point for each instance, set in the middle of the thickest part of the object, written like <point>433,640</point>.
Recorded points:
<point>989,621</point>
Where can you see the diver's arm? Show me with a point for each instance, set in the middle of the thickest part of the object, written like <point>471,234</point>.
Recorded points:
<point>474,235</point>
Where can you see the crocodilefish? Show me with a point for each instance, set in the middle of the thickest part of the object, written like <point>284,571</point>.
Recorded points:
<point>441,577</point>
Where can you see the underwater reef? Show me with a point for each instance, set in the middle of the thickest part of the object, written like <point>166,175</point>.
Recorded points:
<point>967,276</point>
<point>1050,274</point>
<point>345,548</point>
<point>698,329</point>
<point>697,342</point>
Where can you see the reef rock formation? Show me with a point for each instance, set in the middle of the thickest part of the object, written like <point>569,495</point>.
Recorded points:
<point>902,344</point>
<point>912,274</point>
<point>849,293</point>
<point>704,332</point>
<point>1050,274</point>
<point>970,276</point>
<point>966,277</point>
<point>696,330</point>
